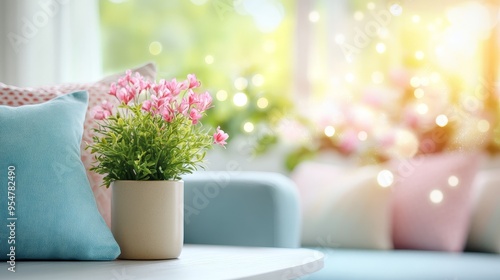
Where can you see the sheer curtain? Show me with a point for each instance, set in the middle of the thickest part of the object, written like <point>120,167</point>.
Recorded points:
<point>317,57</point>
<point>49,41</point>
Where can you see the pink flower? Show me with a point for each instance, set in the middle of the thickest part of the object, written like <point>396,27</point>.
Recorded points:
<point>204,101</point>
<point>175,88</point>
<point>127,78</point>
<point>193,82</point>
<point>146,106</point>
<point>156,102</point>
<point>103,111</point>
<point>183,107</point>
<point>107,106</point>
<point>123,81</point>
<point>144,85</point>
<point>194,115</point>
<point>168,114</point>
<point>220,137</point>
<point>192,98</point>
<point>124,95</point>
<point>112,89</point>
<point>99,115</point>
<point>159,89</point>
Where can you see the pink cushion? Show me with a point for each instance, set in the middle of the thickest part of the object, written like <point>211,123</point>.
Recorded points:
<point>417,221</point>
<point>15,96</point>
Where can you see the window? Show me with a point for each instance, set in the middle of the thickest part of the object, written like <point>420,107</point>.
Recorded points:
<point>240,52</point>
<point>371,80</point>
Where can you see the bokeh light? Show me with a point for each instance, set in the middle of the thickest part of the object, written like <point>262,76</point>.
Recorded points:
<point>155,48</point>
<point>483,126</point>
<point>358,15</point>
<point>340,38</point>
<point>362,136</point>
<point>248,127</point>
<point>422,108</point>
<point>385,178</point>
<point>419,55</point>
<point>314,16</point>
<point>240,83</point>
<point>418,93</point>
<point>240,99</point>
<point>436,196</point>
<point>415,82</point>
<point>258,80</point>
<point>329,131</point>
<point>415,18</point>
<point>442,120</point>
<point>396,9</point>
<point>262,103</point>
<point>349,77</point>
<point>380,47</point>
<point>453,181</point>
<point>209,59</point>
<point>221,95</point>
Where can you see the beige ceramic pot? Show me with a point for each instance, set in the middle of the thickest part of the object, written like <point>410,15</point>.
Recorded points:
<point>147,218</point>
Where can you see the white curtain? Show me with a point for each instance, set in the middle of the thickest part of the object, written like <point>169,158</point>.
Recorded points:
<point>49,41</point>
<point>317,57</point>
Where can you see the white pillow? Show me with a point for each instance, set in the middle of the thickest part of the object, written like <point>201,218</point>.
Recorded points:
<point>484,230</point>
<point>343,207</point>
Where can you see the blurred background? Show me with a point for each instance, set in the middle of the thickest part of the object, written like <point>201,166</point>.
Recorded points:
<point>351,81</point>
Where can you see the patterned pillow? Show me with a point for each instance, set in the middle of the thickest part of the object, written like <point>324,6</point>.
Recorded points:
<point>16,96</point>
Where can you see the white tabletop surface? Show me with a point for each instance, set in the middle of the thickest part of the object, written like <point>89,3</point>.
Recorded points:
<point>195,262</point>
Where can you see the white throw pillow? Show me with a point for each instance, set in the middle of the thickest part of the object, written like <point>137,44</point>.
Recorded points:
<point>484,230</point>
<point>343,207</point>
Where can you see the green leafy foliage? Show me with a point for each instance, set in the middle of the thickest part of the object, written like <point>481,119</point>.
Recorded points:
<point>155,133</point>
<point>142,146</point>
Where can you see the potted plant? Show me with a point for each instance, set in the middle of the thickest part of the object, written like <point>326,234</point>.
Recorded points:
<point>143,146</point>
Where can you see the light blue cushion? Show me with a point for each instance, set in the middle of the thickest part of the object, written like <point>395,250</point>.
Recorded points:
<point>57,217</point>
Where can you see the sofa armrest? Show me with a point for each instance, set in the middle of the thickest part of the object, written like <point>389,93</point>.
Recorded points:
<point>241,209</point>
